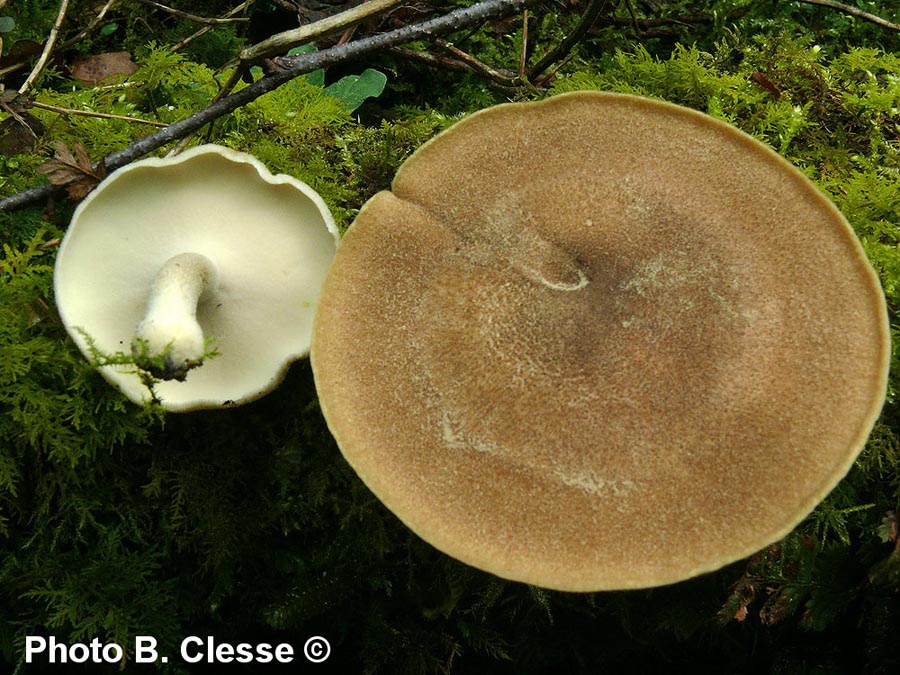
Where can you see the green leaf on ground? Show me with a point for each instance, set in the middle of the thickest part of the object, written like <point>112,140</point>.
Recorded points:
<point>352,90</point>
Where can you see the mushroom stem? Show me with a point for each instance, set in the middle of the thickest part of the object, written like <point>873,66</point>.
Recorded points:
<point>169,341</point>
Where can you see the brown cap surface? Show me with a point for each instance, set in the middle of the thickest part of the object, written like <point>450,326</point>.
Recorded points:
<point>600,342</point>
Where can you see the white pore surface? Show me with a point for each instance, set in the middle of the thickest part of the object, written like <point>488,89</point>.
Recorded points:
<point>272,239</point>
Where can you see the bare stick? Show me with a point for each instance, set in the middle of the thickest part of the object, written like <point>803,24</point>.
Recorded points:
<point>89,113</point>
<point>282,42</point>
<point>523,55</point>
<point>634,19</point>
<point>93,24</point>
<point>294,66</point>
<point>48,47</point>
<point>847,9</point>
<point>17,117</point>
<point>191,17</point>
<point>433,60</point>
<point>505,78</point>
<point>591,12</point>
<point>208,27</point>
<point>71,41</point>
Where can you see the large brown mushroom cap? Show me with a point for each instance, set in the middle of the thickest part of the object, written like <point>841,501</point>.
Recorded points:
<point>600,342</point>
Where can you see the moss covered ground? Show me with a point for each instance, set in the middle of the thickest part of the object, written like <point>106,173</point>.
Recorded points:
<point>248,525</point>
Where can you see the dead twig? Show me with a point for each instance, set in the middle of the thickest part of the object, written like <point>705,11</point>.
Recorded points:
<point>15,107</point>
<point>191,17</point>
<point>48,48</point>
<point>80,35</point>
<point>190,38</point>
<point>90,113</point>
<point>502,77</point>
<point>91,25</point>
<point>558,53</point>
<point>347,35</point>
<point>438,61</point>
<point>282,42</point>
<point>69,42</point>
<point>523,54</point>
<point>854,11</point>
<point>292,66</point>
<point>633,15</point>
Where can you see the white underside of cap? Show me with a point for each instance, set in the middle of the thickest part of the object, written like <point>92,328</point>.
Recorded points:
<point>272,239</point>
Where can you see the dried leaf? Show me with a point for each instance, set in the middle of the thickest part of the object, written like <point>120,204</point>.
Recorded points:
<point>776,608</point>
<point>741,594</point>
<point>74,170</point>
<point>22,50</point>
<point>80,189</point>
<point>83,158</point>
<point>16,137</point>
<point>63,154</point>
<point>12,101</point>
<point>765,83</point>
<point>94,69</point>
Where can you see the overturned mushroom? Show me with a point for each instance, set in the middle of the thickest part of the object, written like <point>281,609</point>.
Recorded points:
<point>600,342</point>
<point>170,258</point>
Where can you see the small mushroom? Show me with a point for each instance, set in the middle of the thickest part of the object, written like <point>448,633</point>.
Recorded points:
<point>600,342</point>
<point>170,258</point>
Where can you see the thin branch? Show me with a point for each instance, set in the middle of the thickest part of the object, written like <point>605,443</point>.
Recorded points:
<point>294,66</point>
<point>633,15</point>
<point>591,12</point>
<point>282,42</point>
<point>87,29</point>
<point>48,47</point>
<point>542,80</point>
<point>523,54</point>
<point>644,24</point>
<point>236,76</point>
<point>502,77</point>
<point>855,11</point>
<point>89,113</point>
<point>209,27</point>
<point>287,5</point>
<point>17,117</point>
<point>347,35</point>
<point>71,41</point>
<point>434,60</point>
<point>191,17</point>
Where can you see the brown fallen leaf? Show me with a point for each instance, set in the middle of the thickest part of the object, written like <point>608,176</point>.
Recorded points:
<point>20,131</point>
<point>22,50</point>
<point>73,169</point>
<point>766,84</point>
<point>19,135</point>
<point>94,69</point>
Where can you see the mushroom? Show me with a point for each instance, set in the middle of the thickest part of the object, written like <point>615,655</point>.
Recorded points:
<point>600,342</point>
<point>170,258</point>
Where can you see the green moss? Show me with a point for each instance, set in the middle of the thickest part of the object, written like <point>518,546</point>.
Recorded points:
<point>248,524</point>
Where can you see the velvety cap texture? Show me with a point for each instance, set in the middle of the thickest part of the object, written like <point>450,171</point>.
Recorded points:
<point>600,342</point>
